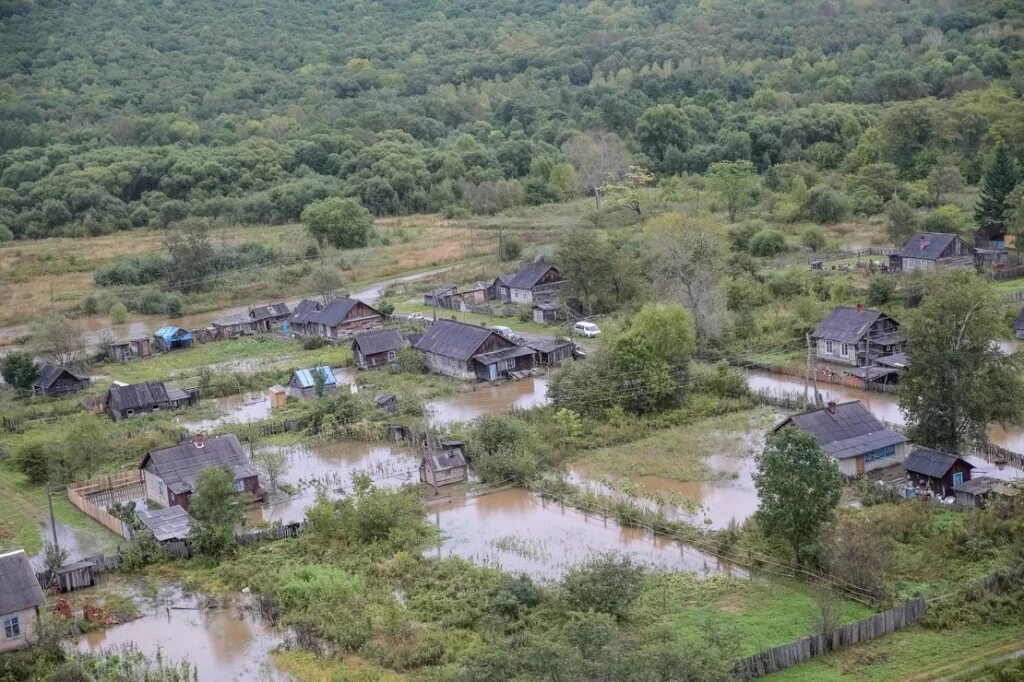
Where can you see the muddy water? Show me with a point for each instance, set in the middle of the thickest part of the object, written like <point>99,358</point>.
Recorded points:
<point>79,544</point>
<point>517,530</point>
<point>884,406</point>
<point>721,501</point>
<point>229,643</point>
<point>236,409</point>
<point>489,399</point>
<point>331,466</point>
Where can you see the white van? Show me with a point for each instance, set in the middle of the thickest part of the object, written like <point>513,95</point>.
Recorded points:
<point>588,329</point>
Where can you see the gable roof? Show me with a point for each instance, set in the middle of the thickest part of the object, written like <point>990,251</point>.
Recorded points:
<point>378,342</point>
<point>929,245</point>
<point>178,465</point>
<point>528,276</point>
<point>232,320</point>
<point>50,373</point>
<point>846,324</point>
<point>306,380</point>
<point>169,334</point>
<point>849,431</point>
<point>19,589</point>
<point>931,463</point>
<point>981,485</point>
<point>336,311</point>
<point>449,458</point>
<point>264,312</point>
<point>455,339</point>
<point>305,310</point>
<point>133,396</point>
<point>171,523</point>
<point>442,290</point>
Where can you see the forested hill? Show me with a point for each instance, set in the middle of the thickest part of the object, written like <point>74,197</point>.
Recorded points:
<point>124,114</point>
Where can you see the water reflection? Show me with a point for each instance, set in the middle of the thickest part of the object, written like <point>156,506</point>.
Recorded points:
<point>517,530</point>
<point>489,399</point>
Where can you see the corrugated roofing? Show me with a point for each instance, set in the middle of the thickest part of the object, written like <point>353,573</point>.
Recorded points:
<point>172,523</point>
<point>850,431</point>
<point>373,343</point>
<point>928,462</point>
<point>178,465</point>
<point>306,380</point>
<point>927,245</point>
<point>860,445</point>
<point>455,339</point>
<point>19,589</point>
<point>134,396</point>
<point>846,325</point>
<point>529,275</point>
<point>978,486</point>
<point>232,320</point>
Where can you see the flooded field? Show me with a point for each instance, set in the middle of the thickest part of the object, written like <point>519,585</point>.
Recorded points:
<point>229,643</point>
<point>489,399</point>
<point>517,530</point>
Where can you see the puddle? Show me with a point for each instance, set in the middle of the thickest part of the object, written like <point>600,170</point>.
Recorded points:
<point>230,643</point>
<point>489,399</point>
<point>332,465</point>
<point>79,544</point>
<point>236,409</point>
<point>516,530</point>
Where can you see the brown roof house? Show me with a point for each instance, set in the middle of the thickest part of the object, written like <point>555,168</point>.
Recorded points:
<point>170,473</point>
<point>266,317</point>
<point>20,599</point>
<point>852,435</point>
<point>300,322</point>
<point>856,336</point>
<point>343,317</point>
<point>468,351</point>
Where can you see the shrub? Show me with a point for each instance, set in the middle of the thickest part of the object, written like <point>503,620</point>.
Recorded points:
<point>741,234</point>
<point>813,238</point>
<point>90,306</point>
<point>881,290</point>
<point>948,218</point>
<point>864,201</point>
<point>313,342</point>
<point>607,584</point>
<point>118,313</point>
<point>767,243</point>
<point>504,448</point>
<point>826,205</point>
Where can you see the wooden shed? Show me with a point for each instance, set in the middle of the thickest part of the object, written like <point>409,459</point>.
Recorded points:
<point>545,313</point>
<point>120,351</point>
<point>446,467</point>
<point>278,396</point>
<point>141,347</point>
<point>74,576</point>
<point>387,402</point>
<point>935,471</point>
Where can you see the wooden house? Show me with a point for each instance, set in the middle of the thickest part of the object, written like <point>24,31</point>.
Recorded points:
<point>120,351</point>
<point>343,318</point>
<point>852,436</point>
<point>550,352</point>
<point>169,338</point>
<point>856,336</point>
<point>445,467</point>
<point>169,523</point>
<point>232,326</point>
<point>303,382</point>
<point>935,471</point>
<point>56,380</point>
<point>440,296</point>
<point>21,599</point>
<point>141,347</point>
<point>468,351</point>
<point>376,349</point>
<point>300,322</point>
<point>983,491</point>
<point>278,397</point>
<point>266,317</point>
<point>545,313</point>
<point>126,400</point>
<point>170,474</point>
<point>934,251</point>
<point>533,283</point>
<point>474,294</point>
<point>387,402</point>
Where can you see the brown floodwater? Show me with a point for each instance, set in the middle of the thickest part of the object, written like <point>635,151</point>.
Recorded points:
<point>518,531</point>
<point>489,399</point>
<point>229,643</point>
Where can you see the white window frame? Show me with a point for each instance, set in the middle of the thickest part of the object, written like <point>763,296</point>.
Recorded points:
<point>829,348</point>
<point>392,355</point>
<point>12,627</point>
<point>509,364</point>
<point>845,349</point>
<point>240,485</point>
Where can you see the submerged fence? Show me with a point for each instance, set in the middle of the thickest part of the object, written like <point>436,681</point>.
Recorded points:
<point>803,650</point>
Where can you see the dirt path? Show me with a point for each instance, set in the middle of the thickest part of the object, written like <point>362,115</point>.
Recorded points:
<point>973,662</point>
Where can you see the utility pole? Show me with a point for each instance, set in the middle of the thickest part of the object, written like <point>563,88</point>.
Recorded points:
<point>53,521</point>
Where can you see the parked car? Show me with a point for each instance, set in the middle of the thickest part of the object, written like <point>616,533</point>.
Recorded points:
<point>415,316</point>
<point>587,329</point>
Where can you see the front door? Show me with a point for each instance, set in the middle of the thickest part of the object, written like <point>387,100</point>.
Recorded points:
<point>492,372</point>
<point>958,478</point>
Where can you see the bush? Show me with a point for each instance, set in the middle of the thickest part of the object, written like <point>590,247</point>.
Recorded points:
<point>813,238</point>
<point>948,218</point>
<point>741,234</point>
<point>511,248</point>
<point>504,449</point>
<point>118,313</point>
<point>33,460</point>
<point>608,584</point>
<point>767,243</point>
<point>90,306</point>
<point>313,342</point>
<point>881,290</point>
<point>826,205</point>
<point>864,201</point>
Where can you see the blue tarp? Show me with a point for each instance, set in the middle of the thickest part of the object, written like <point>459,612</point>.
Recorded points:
<point>170,334</point>
<point>306,380</point>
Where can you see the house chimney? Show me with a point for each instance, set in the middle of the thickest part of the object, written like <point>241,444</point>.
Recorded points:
<point>198,440</point>
<point>860,308</point>
<point>831,407</point>
<point>924,242</point>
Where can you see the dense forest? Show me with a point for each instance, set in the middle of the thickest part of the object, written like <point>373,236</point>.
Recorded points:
<point>117,115</point>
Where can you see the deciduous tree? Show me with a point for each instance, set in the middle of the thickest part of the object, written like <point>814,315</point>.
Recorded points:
<point>342,223</point>
<point>56,337</point>
<point>598,158</point>
<point>734,182</point>
<point>216,510</point>
<point>19,370</point>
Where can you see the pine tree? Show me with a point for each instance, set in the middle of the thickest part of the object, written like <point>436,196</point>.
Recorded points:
<point>1002,177</point>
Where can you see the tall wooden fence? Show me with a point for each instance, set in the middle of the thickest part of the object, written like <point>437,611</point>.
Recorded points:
<point>108,490</point>
<point>803,650</point>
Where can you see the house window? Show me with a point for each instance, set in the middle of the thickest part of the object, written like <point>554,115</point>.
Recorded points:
<point>884,453</point>
<point>846,349</point>
<point>12,628</point>
<point>828,347</point>
<point>958,478</point>
<point>392,355</point>
<point>509,364</point>
<point>160,487</point>
<point>239,485</point>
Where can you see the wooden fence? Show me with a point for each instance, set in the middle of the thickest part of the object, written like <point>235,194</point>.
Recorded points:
<point>107,489</point>
<point>807,259</point>
<point>181,549</point>
<point>803,650</point>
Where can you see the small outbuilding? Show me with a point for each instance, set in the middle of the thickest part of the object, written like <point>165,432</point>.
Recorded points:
<point>1018,325</point>
<point>300,322</point>
<point>935,471</point>
<point>266,317</point>
<point>440,296</point>
<point>170,474</point>
<point>74,576</point>
<point>550,352</point>
<point>303,382</point>
<point>21,598</point>
<point>545,313</point>
<point>172,338</point>
<point>376,349</point>
<point>56,380</point>
<point>126,400</point>
<point>169,523</point>
<point>278,397</point>
<point>141,347</point>
<point>446,467</point>
<point>232,326</point>
<point>387,402</point>
<point>120,351</point>
<point>983,491</point>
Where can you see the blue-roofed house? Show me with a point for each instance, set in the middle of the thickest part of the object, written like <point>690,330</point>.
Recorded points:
<point>303,383</point>
<point>172,338</point>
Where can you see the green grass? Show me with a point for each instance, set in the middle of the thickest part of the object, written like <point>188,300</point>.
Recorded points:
<point>914,654</point>
<point>531,327</point>
<point>760,613</point>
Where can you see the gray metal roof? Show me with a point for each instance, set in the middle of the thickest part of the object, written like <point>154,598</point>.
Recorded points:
<point>172,523</point>
<point>846,325</point>
<point>849,431</point>
<point>455,339</point>
<point>178,465</point>
<point>928,245</point>
<point>897,360</point>
<point>336,311</point>
<point>134,396</point>
<point>978,486</point>
<point>503,354</point>
<point>444,461</point>
<point>384,398</point>
<point>930,462</point>
<point>305,310</point>
<point>544,345</point>
<point>232,320</point>
<point>273,310</point>
<point>50,373</point>
<point>373,343</point>
<point>529,275</point>
<point>442,290</point>
<point>19,589</point>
